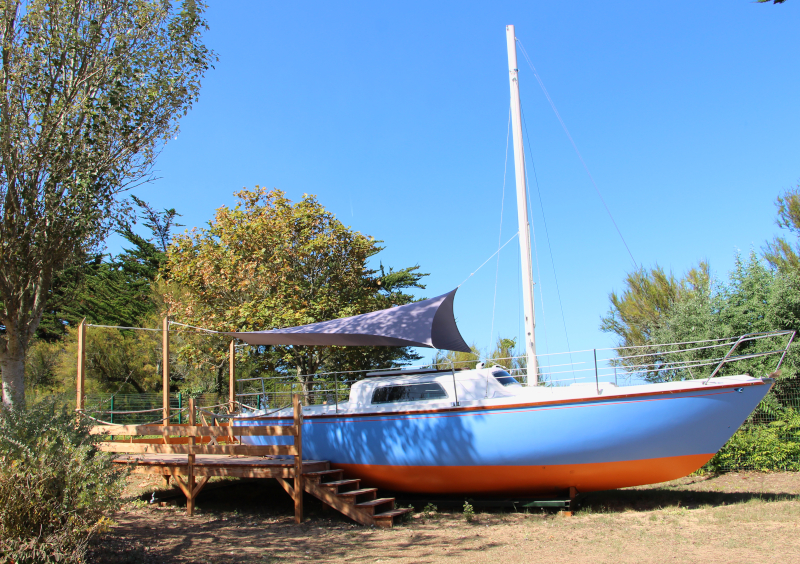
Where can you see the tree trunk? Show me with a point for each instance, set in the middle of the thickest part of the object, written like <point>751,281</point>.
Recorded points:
<point>12,364</point>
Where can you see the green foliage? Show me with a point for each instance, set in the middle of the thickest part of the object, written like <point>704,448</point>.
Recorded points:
<point>89,94</point>
<point>648,298</point>
<point>469,512</point>
<point>781,252</point>
<point>55,487</point>
<point>271,263</point>
<point>117,291</point>
<point>430,511</point>
<point>765,447</point>
<point>445,360</point>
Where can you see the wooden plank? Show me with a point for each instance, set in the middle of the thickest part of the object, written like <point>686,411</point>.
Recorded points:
<point>165,368</point>
<point>298,459</point>
<point>286,486</point>
<point>190,465</point>
<point>182,485</point>
<point>198,430</point>
<point>199,486</point>
<point>247,450</point>
<point>81,364</point>
<point>195,430</point>
<point>232,376</point>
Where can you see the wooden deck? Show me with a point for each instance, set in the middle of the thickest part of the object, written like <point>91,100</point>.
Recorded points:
<point>188,455</point>
<point>218,465</point>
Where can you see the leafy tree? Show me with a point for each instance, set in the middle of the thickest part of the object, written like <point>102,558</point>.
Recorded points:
<point>89,92</point>
<point>116,291</point>
<point>648,297</point>
<point>782,253</point>
<point>753,299</point>
<point>270,263</point>
<point>445,360</point>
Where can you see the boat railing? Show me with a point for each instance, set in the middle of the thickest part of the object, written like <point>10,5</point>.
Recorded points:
<point>620,366</point>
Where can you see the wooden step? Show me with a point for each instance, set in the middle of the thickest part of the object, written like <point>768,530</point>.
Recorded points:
<point>386,519</point>
<point>340,483</point>
<point>318,476</point>
<point>351,496</point>
<point>369,506</point>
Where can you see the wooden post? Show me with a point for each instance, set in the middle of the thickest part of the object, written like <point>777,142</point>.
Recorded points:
<point>298,459</point>
<point>190,478</point>
<point>232,376</point>
<point>81,364</point>
<point>165,367</point>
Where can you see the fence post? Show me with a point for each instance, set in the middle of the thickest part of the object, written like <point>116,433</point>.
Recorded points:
<point>81,364</point>
<point>232,376</point>
<point>190,477</point>
<point>298,459</point>
<point>165,367</point>
<point>180,409</point>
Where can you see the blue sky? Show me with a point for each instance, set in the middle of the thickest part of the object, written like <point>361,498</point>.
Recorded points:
<point>395,115</point>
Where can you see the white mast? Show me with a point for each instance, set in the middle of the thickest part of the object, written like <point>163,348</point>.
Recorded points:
<point>522,211</point>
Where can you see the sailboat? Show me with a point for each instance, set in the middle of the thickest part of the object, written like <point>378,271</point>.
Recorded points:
<point>480,431</point>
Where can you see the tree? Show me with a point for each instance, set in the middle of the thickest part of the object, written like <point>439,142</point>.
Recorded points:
<point>115,290</point>
<point>270,263</point>
<point>647,299</point>
<point>753,299</point>
<point>782,253</point>
<point>89,92</point>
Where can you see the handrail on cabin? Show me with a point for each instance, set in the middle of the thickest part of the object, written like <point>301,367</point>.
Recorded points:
<point>753,337</point>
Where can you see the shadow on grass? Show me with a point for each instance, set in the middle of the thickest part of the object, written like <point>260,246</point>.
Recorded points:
<point>654,498</point>
<point>253,521</point>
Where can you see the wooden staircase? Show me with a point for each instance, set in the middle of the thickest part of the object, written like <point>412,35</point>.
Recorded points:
<point>362,505</point>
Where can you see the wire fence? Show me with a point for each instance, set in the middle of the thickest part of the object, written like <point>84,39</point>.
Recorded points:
<point>140,409</point>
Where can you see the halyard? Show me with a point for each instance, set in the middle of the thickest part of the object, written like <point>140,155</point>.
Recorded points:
<point>736,517</point>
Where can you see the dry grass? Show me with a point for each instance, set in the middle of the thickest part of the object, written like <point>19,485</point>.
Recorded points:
<point>747,517</point>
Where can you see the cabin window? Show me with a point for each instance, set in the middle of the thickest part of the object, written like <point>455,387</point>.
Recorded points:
<point>504,378</point>
<point>409,392</point>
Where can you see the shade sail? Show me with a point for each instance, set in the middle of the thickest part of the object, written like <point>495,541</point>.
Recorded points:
<point>429,323</point>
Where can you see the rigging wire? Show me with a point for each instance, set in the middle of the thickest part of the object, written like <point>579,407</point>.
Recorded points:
<point>488,259</point>
<point>547,238</point>
<point>500,233</point>
<point>535,248</point>
<point>574,146</point>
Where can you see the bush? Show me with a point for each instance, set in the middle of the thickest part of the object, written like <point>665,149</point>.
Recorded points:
<point>55,486</point>
<point>763,447</point>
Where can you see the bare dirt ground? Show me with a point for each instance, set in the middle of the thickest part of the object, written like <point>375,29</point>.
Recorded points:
<point>745,517</point>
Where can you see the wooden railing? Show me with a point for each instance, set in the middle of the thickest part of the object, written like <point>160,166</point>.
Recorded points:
<point>193,439</point>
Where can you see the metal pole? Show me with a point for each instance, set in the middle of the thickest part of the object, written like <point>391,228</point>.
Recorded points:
<point>522,211</point>
<point>336,391</point>
<point>596,379</point>
<point>112,409</point>
<point>180,408</point>
<point>455,386</point>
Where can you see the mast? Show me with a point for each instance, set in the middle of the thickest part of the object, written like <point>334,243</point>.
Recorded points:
<point>522,211</point>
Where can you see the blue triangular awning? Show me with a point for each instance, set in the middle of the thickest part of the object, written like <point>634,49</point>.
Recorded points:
<point>428,323</point>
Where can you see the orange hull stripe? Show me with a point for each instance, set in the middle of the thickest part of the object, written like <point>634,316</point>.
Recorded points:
<point>524,480</point>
